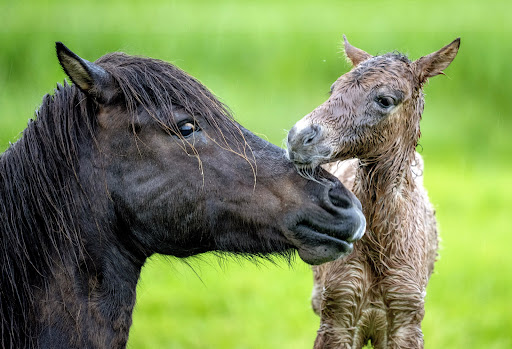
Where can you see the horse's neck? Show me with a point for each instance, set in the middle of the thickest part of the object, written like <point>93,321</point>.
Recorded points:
<point>97,293</point>
<point>92,302</point>
<point>78,282</point>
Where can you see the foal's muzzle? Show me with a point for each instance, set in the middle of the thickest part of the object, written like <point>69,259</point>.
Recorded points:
<point>305,147</point>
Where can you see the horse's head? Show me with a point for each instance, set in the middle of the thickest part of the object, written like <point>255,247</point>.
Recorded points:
<point>373,109</point>
<point>182,177</point>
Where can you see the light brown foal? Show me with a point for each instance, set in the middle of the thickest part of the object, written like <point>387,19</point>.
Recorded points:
<point>372,121</point>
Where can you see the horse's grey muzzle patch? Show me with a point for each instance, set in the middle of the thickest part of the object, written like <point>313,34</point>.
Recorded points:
<point>362,226</point>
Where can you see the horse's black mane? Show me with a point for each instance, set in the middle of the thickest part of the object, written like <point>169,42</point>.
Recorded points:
<point>42,204</point>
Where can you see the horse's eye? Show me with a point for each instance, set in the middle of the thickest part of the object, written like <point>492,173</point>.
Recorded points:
<point>385,101</point>
<point>187,129</point>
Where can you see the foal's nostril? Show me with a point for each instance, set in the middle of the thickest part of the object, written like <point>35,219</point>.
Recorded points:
<point>310,134</point>
<point>300,139</point>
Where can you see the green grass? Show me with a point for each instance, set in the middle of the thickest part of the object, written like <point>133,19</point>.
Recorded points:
<point>272,62</point>
<point>231,305</point>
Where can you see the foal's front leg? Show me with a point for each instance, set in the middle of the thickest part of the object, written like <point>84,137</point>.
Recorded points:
<point>342,302</point>
<point>405,302</point>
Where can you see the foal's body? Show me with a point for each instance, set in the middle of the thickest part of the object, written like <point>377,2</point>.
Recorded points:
<point>373,114</point>
<point>378,291</point>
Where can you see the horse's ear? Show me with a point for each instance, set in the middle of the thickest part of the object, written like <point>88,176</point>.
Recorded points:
<point>434,63</point>
<point>89,77</point>
<point>355,54</point>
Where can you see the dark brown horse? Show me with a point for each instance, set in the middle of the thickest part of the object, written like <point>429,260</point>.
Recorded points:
<point>138,158</point>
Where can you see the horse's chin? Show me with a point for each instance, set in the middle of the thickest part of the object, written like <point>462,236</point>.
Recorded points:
<point>316,248</point>
<point>328,251</point>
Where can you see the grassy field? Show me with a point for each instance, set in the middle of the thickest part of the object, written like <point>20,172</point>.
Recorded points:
<point>272,62</point>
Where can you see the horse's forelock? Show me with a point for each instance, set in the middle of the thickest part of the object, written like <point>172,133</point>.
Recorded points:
<point>160,88</point>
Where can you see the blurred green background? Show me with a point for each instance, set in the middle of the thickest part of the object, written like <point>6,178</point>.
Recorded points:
<point>272,62</point>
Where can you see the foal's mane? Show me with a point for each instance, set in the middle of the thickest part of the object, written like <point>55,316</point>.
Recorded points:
<point>379,64</point>
<point>44,209</point>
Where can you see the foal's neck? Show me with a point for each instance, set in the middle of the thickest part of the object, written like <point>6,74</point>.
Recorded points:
<point>385,187</point>
<point>385,178</point>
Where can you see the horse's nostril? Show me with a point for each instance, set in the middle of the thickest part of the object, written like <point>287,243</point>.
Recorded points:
<point>338,199</point>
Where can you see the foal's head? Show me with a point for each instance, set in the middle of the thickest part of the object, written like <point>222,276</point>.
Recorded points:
<point>374,109</point>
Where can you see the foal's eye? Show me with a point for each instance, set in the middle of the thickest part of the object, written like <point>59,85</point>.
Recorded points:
<point>385,101</point>
<point>187,128</point>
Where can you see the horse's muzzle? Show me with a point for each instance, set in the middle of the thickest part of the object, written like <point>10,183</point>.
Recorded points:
<point>327,232</point>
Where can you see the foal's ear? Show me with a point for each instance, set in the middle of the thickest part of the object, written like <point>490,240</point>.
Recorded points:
<point>355,54</point>
<point>434,63</point>
<point>92,79</point>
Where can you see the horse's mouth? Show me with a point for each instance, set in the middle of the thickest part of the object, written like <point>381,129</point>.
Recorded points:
<point>318,244</point>
<point>318,248</point>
